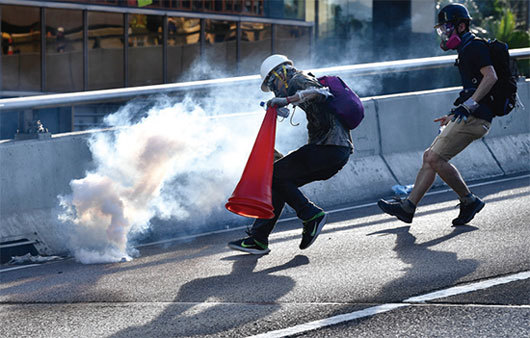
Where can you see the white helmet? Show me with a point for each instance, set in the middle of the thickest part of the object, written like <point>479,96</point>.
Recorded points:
<point>269,64</point>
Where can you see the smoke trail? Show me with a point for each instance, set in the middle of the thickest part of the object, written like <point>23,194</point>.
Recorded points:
<point>172,160</point>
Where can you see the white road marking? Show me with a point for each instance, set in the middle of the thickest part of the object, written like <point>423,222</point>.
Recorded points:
<point>371,311</point>
<point>330,321</point>
<point>458,290</point>
<point>19,267</point>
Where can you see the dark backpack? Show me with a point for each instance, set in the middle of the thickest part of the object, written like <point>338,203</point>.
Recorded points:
<point>503,95</point>
<point>345,102</point>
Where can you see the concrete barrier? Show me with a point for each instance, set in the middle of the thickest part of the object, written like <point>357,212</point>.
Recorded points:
<point>389,145</point>
<point>32,174</point>
<point>508,139</point>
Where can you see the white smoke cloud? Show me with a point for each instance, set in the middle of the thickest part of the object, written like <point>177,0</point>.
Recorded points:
<point>173,163</point>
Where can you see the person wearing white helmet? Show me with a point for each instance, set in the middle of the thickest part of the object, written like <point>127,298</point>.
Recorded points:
<point>61,41</point>
<point>328,149</point>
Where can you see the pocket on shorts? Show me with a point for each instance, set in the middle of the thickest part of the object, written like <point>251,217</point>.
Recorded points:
<point>486,127</point>
<point>477,127</point>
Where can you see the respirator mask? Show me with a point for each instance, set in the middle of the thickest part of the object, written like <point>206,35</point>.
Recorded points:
<point>449,40</point>
<point>281,73</point>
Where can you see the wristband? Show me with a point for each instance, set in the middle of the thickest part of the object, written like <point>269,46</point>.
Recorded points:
<point>470,104</point>
<point>287,98</point>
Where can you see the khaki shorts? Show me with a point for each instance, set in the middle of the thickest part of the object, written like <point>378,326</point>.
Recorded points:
<point>457,136</point>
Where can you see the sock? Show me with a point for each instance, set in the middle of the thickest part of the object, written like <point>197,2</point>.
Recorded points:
<point>408,206</point>
<point>468,199</point>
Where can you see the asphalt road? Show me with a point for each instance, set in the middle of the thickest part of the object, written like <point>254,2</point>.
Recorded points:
<point>362,261</point>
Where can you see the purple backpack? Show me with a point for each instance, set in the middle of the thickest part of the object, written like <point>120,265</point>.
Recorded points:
<point>346,104</point>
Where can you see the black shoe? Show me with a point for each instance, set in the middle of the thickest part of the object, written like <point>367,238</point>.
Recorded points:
<point>468,211</point>
<point>249,245</point>
<point>395,209</point>
<point>312,229</point>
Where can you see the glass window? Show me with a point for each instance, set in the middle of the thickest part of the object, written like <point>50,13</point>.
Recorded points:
<point>145,49</point>
<point>220,48</point>
<point>105,50</point>
<point>341,16</point>
<point>343,30</point>
<point>255,46</point>
<point>21,48</point>
<point>287,9</point>
<point>183,45</point>
<point>64,50</point>
<point>294,9</point>
<point>293,41</point>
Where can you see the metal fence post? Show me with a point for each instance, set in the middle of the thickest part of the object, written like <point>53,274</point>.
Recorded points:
<point>164,50</point>
<point>238,47</point>
<point>42,49</point>
<point>273,32</point>
<point>85,49</point>
<point>125,49</point>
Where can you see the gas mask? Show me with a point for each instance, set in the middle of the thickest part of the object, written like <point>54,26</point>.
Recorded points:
<point>449,40</point>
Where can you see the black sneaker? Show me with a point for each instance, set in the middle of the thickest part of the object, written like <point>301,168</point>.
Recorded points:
<point>468,211</point>
<point>312,229</point>
<point>249,245</point>
<point>395,209</point>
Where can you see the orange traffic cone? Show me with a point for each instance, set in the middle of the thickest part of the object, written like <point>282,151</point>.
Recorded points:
<point>253,196</point>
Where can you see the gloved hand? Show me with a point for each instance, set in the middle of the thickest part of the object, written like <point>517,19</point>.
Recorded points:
<point>278,102</point>
<point>460,113</point>
<point>463,111</point>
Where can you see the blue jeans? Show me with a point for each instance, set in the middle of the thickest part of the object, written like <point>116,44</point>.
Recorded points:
<point>305,165</point>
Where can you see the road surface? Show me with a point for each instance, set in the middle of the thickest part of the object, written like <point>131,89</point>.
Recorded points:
<point>367,275</point>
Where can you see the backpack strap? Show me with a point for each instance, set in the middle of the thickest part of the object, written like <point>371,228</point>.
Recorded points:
<point>471,40</point>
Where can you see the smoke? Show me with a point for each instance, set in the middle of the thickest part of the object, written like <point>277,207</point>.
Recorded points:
<point>174,162</point>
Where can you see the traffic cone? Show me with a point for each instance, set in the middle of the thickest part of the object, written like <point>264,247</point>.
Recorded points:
<point>10,46</point>
<point>253,196</point>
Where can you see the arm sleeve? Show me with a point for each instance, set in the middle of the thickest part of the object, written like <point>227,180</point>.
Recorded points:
<point>301,82</point>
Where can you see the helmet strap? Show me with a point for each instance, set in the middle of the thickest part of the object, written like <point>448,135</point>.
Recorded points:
<point>284,78</point>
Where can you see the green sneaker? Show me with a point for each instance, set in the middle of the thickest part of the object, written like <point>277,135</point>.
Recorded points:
<point>312,228</point>
<point>249,245</point>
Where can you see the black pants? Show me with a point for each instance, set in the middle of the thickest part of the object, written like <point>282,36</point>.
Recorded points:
<point>305,165</point>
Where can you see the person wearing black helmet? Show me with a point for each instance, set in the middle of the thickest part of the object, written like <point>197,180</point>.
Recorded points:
<point>469,121</point>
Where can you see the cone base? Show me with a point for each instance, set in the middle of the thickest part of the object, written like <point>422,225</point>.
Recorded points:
<point>250,208</point>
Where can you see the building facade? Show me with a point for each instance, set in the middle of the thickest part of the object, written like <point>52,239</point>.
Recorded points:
<point>59,46</point>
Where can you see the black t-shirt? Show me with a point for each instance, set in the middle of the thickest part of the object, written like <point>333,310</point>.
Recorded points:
<point>473,56</point>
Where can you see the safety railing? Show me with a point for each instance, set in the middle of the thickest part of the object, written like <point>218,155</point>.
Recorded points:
<point>122,94</point>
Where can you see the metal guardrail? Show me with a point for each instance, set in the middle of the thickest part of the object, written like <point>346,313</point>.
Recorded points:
<point>54,100</point>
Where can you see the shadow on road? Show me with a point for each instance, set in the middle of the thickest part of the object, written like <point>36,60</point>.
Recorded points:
<point>428,269</point>
<point>351,218</point>
<point>204,306</point>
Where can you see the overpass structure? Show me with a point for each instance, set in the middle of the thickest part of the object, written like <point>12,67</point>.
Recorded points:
<point>389,145</point>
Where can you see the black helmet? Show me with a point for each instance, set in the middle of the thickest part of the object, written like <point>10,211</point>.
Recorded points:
<point>453,13</point>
